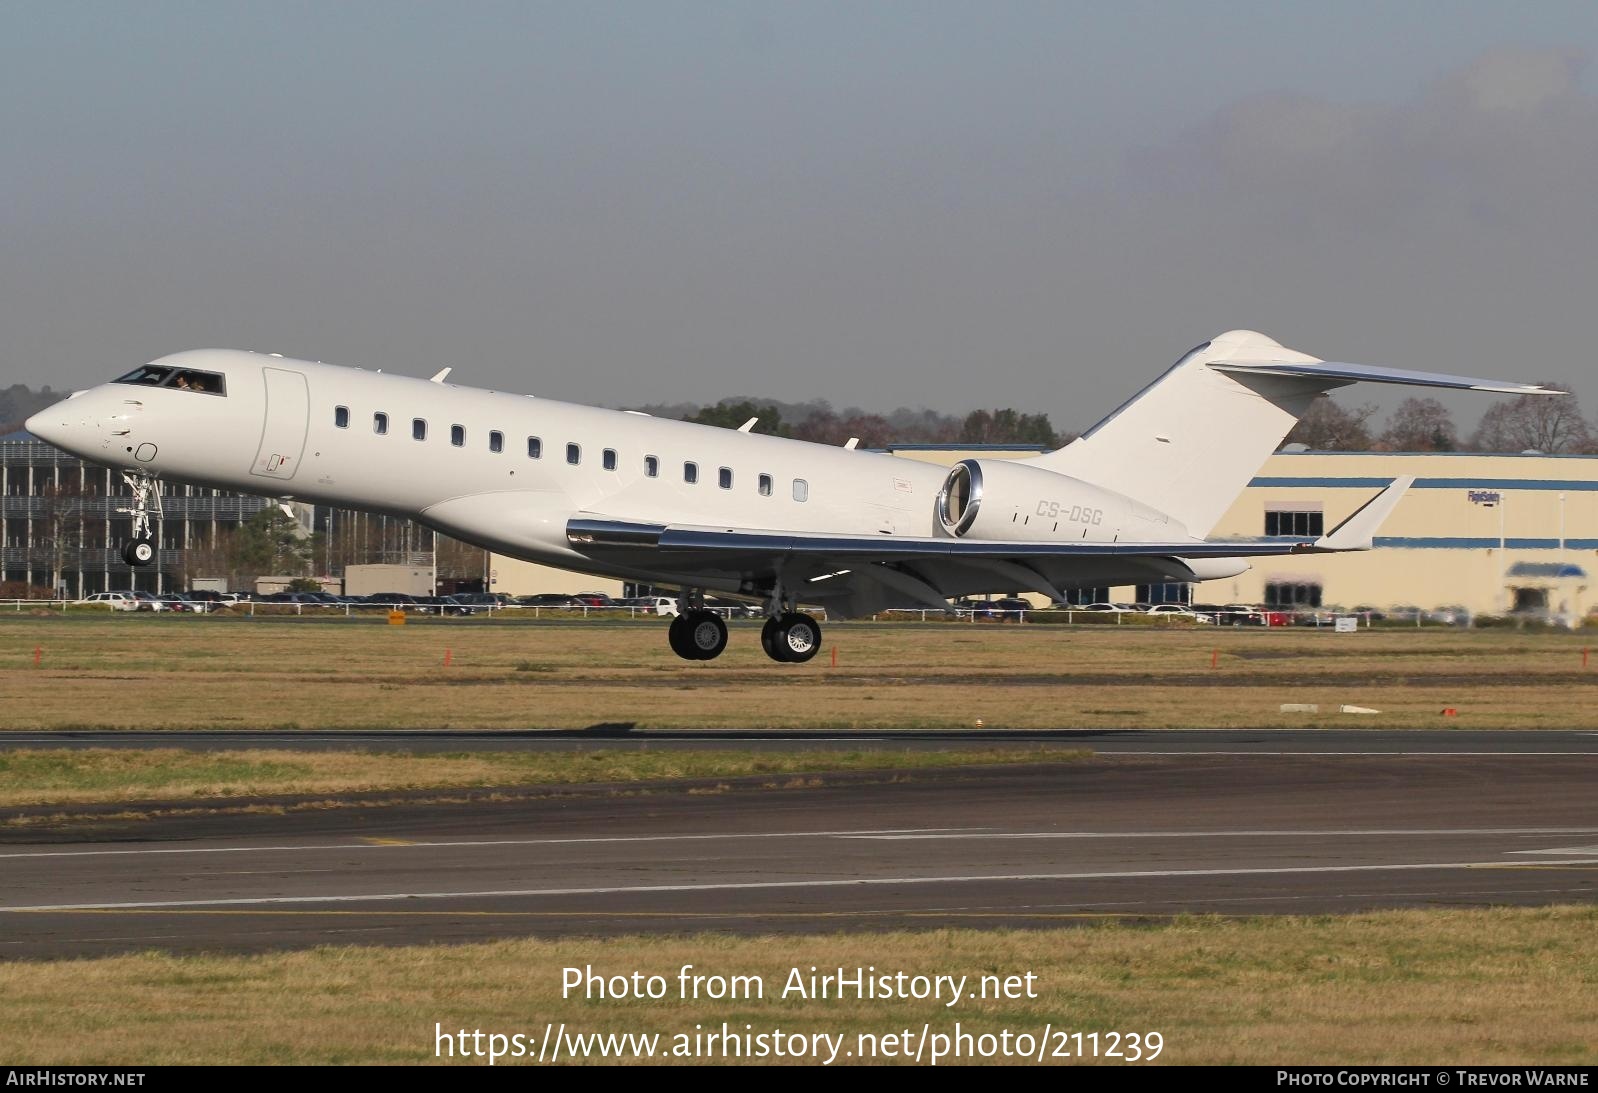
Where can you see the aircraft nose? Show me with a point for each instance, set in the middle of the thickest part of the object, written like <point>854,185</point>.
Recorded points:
<point>46,424</point>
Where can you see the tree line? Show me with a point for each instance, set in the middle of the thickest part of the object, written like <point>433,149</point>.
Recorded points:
<point>1551,424</point>
<point>1542,423</point>
<point>18,403</point>
<point>818,422</point>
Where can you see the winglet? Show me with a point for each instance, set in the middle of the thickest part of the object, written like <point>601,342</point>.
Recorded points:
<point>442,374</point>
<point>1358,531</point>
<point>746,426</point>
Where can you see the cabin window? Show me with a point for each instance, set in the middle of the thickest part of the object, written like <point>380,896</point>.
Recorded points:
<point>535,447</point>
<point>380,423</point>
<point>574,454</point>
<point>418,428</point>
<point>610,459</point>
<point>496,441</point>
<point>690,472</point>
<point>341,416</point>
<point>457,435</point>
<point>724,478</point>
<point>801,490</point>
<point>651,466</point>
<point>765,485</point>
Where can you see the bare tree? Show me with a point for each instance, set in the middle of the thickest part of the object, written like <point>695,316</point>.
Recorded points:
<point>1328,427</point>
<point>1420,425</point>
<point>61,526</point>
<point>456,559</point>
<point>1542,423</point>
<point>1008,426</point>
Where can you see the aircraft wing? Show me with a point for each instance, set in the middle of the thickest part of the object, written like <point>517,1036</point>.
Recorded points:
<point>589,533</point>
<point>861,571</point>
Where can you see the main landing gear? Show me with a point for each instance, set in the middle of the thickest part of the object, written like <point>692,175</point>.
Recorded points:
<point>698,634</point>
<point>140,551</point>
<point>789,636</point>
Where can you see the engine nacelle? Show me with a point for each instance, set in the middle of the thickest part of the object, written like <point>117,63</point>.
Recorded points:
<point>999,499</point>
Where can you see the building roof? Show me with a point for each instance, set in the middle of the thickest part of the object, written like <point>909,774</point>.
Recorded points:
<point>21,435</point>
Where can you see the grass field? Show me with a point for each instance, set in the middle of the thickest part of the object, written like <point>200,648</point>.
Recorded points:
<point>1444,987</point>
<point>104,774</point>
<point>150,672</point>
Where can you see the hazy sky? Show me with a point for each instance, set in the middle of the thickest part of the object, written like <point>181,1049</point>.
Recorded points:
<point>950,205</point>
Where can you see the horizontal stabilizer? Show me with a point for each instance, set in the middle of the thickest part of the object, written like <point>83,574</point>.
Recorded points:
<point>1340,373</point>
<point>1359,530</point>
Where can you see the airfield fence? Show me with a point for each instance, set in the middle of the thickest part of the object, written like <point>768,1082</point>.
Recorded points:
<point>1055,616</point>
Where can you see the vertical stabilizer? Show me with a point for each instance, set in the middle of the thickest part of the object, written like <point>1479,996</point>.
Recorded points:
<point>1188,443</point>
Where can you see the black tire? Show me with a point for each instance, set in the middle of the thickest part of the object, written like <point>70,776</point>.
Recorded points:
<point>705,635</point>
<point>139,552</point>
<point>677,635</point>
<point>768,639</point>
<point>798,637</point>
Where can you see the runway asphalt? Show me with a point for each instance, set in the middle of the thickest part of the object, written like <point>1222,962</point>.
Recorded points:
<point>611,736</point>
<point>1127,835</point>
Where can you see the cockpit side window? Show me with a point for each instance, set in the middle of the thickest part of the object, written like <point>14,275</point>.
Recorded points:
<point>150,375</point>
<point>189,379</point>
<point>182,379</point>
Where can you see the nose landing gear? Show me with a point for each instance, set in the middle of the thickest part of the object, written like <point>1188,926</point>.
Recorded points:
<point>140,551</point>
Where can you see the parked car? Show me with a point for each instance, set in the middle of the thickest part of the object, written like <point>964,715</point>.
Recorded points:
<point>116,601</point>
<point>393,600</point>
<point>485,599</point>
<point>1180,610</point>
<point>659,605</point>
<point>595,599</point>
<point>1240,614</point>
<point>304,599</point>
<point>551,599</point>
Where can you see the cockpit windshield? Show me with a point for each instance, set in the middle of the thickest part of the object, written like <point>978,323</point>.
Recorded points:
<point>182,379</point>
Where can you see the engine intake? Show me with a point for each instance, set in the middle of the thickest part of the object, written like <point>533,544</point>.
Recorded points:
<point>961,497</point>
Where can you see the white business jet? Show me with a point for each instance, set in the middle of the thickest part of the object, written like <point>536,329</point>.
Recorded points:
<point>699,508</point>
